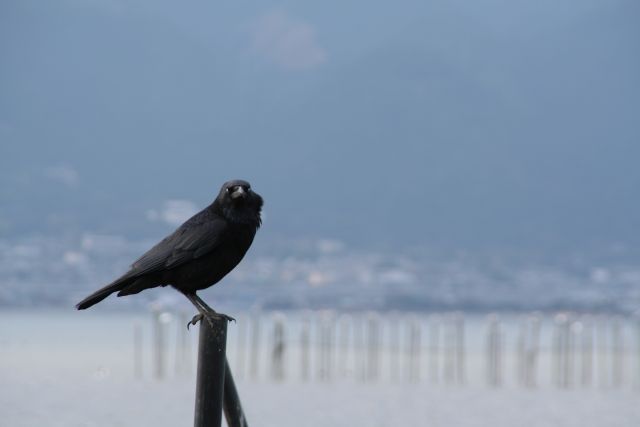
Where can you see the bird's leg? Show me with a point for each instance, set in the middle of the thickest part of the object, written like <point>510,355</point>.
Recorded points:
<point>211,310</point>
<point>200,302</point>
<point>205,311</point>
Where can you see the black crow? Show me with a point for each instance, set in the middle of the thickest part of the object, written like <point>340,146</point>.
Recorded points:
<point>199,253</point>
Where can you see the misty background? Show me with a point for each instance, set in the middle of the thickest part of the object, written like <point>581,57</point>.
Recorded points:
<point>411,154</point>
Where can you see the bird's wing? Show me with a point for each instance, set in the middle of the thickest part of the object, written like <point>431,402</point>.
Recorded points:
<point>188,242</point>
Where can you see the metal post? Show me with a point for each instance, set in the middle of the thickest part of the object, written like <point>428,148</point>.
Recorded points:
<point>232,407</point>
<point>211,372</point>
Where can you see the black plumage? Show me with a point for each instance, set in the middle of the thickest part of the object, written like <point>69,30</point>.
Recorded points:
<point>199,253</point>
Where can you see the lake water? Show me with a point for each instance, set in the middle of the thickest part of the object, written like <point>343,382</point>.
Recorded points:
<point>67,368</point>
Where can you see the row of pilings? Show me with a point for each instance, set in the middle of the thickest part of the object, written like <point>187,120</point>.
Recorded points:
<point>563,350</point>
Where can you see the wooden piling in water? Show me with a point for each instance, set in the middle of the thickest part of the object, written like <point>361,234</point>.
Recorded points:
<point>325,346</point>
<point>160,322</point>
<point>137,351</point>
<point>344,324</point>
<point>241,347</point>
<point>532,351</point>
<point>601,342</point>
<point>460,353</point>
<point>449,349</point>
<point>183,347</point>
<point>255,347</point>
<point>305,357</point>
<point>494,352</point>
<point>373,347</point>
<point>278,348</point>
<point>394,347</point>
<point>586,351</point>
<point>434,349</point>
<point>617,353</point>
<point>413,347</point>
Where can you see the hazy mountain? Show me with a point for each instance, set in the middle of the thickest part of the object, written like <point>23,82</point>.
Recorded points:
<point>454,123</point>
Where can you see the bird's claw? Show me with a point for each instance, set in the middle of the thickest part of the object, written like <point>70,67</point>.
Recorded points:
<point>196,319</point>
<point>226,317</point>
<point>209,316</point>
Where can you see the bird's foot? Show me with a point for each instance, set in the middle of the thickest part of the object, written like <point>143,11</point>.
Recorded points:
<point>210,317</point>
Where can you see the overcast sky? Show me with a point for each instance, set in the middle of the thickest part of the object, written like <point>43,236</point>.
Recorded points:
<point>443,123</point>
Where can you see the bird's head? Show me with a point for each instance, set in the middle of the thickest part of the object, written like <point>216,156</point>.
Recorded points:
<point>239,203</point>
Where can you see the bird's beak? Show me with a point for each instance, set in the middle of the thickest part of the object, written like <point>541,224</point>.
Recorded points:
<point>238,192</point>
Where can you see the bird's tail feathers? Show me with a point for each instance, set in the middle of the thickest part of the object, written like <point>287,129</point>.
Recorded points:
<point>101,294</point>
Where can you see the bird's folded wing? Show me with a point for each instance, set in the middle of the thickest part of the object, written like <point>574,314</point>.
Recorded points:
<point>186,243</point>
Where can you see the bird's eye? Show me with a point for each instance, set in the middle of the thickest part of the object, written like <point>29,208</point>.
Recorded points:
<point>227,189</point>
